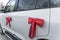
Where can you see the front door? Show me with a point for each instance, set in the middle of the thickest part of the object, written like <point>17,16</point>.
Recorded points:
<point>26,9</point>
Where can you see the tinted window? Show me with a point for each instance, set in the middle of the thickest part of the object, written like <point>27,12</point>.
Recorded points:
<point>55,3</point>
<point>26,4</point>
<point>32,4</point>
<point>10,6</point>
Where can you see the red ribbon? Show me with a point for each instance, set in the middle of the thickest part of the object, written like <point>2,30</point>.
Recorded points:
<point>33,22</point>
<point>8,19</point>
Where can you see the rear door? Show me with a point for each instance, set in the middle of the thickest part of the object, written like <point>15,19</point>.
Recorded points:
<point>30,8</point>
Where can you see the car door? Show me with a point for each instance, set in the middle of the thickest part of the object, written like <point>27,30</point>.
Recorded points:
<point>35,9</point>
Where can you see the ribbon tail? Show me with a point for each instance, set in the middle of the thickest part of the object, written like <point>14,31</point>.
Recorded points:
<point>32,32</point>
<point>9,24</point>
<point>6,22</point>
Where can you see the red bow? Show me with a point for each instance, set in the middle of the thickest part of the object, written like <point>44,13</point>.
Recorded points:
<point>34,21</point>
<point>8,19</point>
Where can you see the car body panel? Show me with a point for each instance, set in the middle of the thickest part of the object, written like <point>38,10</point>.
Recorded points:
<point>20,24</point>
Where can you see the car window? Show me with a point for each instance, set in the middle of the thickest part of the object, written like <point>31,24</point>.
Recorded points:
<point>10,5</point>
<point>55,3</point>
<point>32,4</point>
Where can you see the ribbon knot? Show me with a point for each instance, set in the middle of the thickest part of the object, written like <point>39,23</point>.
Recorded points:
<point>34,22</point>
<point>8,19</point>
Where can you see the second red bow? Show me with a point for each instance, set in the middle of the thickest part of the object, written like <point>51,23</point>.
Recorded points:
<point>8,19</point>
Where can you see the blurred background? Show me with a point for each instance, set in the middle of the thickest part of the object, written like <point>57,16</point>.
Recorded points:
<point>3,2</point>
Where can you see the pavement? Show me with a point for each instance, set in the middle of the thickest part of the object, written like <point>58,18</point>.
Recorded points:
<point>3,37</point>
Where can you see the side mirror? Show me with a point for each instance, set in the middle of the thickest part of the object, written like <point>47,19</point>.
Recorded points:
<point>5,9</point>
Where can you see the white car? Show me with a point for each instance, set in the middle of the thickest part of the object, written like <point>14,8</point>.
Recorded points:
<point>32,20</point>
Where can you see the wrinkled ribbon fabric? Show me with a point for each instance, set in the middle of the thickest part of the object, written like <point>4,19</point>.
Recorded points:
<point>34,22</point>
<point>8,19</point>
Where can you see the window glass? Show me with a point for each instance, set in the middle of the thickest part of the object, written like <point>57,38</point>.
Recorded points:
<point>26,4</point>
<point>55,3</point>
<point>42,4</point>
<point>10,6</point>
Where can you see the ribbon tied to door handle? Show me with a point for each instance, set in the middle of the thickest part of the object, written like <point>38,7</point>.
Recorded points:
<point>34,22</point>
<point>8,19</point>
